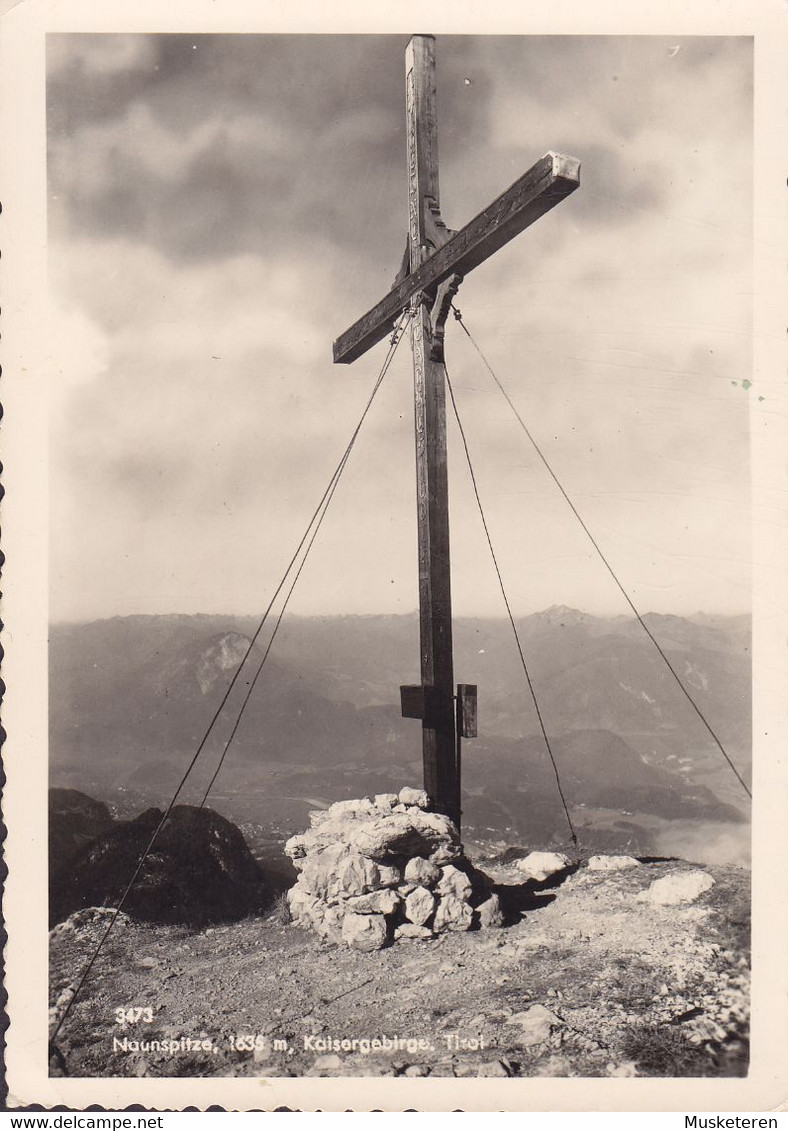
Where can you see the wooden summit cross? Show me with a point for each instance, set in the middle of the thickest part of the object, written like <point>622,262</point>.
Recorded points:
<point>435,261</point>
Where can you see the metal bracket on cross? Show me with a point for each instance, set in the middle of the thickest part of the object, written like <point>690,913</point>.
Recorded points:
<point>423,701</point>
<point>467,714</point>
<point>438,303</point>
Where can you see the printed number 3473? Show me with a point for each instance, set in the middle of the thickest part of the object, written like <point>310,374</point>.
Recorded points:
<point>133,1015</point>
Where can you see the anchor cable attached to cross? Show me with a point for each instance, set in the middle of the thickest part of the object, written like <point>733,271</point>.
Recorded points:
<point>509,613</point>
<point>594,543</point>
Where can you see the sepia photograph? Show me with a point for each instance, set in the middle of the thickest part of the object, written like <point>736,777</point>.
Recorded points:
<point>399,654</point>
<point>564,890</point>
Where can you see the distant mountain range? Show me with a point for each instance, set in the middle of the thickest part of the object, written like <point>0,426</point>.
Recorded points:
<point>130,699</point>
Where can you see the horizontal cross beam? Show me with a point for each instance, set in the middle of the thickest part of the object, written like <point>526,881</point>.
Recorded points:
<point>545,184</point>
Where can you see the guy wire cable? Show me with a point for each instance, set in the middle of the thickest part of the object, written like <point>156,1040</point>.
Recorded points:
<point>261,665</point>
<point>604,560</point>
<point>528,679</point>
<point>394,342</point>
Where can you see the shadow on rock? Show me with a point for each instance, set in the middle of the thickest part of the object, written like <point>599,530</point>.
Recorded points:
<point>199,870</point>
<point>516,899</point>
<point>658,859</point>
<point>555,880</point>
<point>75,820</point>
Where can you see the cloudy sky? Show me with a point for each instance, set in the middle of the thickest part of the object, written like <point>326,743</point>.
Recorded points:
<point>222,207</point>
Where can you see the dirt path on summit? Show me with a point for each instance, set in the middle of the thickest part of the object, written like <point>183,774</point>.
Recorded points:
<point>590,982</point>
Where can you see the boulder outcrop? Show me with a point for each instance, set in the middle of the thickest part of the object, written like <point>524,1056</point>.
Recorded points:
<point>541,866</point>
<point>199,870</point>
<point>612,863</point>
<point>677,887</point>
<point>75,820</point>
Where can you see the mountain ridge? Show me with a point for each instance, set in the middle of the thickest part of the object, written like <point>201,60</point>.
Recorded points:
<point>130,699</point>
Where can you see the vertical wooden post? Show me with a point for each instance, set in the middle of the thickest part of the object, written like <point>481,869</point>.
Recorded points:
<point>438,726</point>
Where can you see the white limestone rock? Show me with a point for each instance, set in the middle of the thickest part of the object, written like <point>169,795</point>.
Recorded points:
<point>319,871</point>
<point>445,854</point>
<point>412,833</point>
<point>541,865</point>
<point>535,1025</point>
<point>413,931</point>
<point>409,796</point>
<point>383,902</point>
<point>454,882</point>
<point>302,905</point>
<point>328,922</point>
<point>355,808</point>
<point>330,831</point>
<point>419,906</point>
<point>390,875</point>
<point>678,887</point>
<point>422,872</point>
<point>490,914</point>
<point>611,863</point>
<point>356,874</point>
<point>364,932</point>
<point>443,827</point>
<point>364,861</point>
<point>453,914</point>
<point>385,801</point>
<point>296,847</point>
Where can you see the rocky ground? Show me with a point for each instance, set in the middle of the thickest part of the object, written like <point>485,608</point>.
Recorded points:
<point>593,979</point>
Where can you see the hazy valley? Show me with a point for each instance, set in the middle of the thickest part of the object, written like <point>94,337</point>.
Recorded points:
<point>130,699</point>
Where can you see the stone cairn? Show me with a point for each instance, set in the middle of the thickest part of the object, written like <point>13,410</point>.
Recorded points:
<point>372,871</point>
